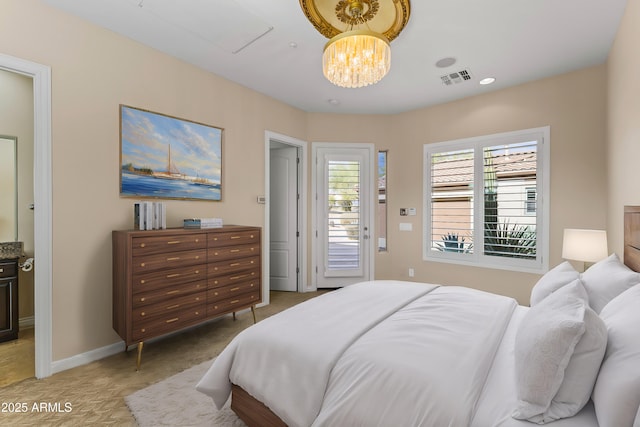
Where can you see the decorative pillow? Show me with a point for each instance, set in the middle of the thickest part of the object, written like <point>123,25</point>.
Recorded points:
<point>582,371</point>
<point>607,279</point>
<point>616,395</point>
<point>544,344</point>
<point>559,276</point>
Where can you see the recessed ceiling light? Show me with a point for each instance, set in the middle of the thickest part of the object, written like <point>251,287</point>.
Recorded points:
<point>333,101</point>
<point>487,80</point>
<point>445,62</point>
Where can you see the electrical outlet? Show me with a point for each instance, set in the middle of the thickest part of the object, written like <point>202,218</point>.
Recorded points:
<point>411,272</point>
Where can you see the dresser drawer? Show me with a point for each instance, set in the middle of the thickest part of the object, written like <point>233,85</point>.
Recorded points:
<point>169,322</point>
<point>146,245</point>
<point>167,307</point>
<point>8,269</point>
<point>234,278</point>
<point>232,266</point>
<point>168,260</point>
<point>233,304</point>
<point>217,294</point>
<point>233,238</point>
<point>151,281</point>
<point>158,295</point>
<point>232,252</point>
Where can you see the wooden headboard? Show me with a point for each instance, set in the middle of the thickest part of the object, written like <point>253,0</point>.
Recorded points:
<point>632,237</point>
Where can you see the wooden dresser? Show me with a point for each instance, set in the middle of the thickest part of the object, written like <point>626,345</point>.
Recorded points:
<point>166,280</point>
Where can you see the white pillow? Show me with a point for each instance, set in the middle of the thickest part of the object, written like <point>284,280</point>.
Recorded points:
<point>582,371</point>
<point>544,344</point>
<point>560,275</point>
<point>616,395</point>
<point>607,279</point>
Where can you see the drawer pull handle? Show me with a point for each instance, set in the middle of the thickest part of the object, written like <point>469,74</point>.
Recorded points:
<point>142,245</point>
<point>173,242</point>
<point>143,314</point>
<point>235,301</point>
<point>1,270</point>
<point>142,299</point>
<point>235,237</point>
<point>171,307</point>
<point>174,258</point>
<point>142,282</point>
<point>235,264</point>
<point>234,289</point>
<point>238,277</point>
<point>234,250</point>
<point>142,264</point>
<point>175,319</point>
<point>173,292</point>
<point>169,276</point>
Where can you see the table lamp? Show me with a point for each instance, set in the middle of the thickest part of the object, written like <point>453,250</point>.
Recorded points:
<point>588,246</point>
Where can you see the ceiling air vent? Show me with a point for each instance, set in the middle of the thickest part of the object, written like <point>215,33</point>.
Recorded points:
<point>456,77</point>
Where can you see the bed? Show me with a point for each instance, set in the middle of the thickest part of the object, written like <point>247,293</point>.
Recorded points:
<point>402,353</point>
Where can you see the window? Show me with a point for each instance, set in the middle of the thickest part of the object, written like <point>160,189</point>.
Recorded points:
<point>484,200</point>
<point>530,202</point>
<point>382,201</point>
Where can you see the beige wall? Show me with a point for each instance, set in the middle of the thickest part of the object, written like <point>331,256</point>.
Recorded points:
<point>572,104</point>
<point>94,70</point>
<point>16,119</point>
<point>623,123</point>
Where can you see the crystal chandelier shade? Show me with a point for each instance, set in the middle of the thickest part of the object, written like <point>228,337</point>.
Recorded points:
<point>356,58</point>
<point>358,52</point>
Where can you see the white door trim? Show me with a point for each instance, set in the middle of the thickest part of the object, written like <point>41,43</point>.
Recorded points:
<point>303,285</point>
<point>41,75</point>
<point>315,251</point>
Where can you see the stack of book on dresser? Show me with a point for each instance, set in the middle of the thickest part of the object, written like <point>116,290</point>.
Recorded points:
<point>203,223</point>
<point>149,216</point>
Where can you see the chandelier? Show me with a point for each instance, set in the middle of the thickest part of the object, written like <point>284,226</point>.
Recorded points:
<point>358,56</point>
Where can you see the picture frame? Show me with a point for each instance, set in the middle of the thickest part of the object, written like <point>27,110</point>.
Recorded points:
<point>165,157</point>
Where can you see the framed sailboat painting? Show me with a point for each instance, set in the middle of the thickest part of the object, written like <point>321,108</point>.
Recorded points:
<point>166,157</point>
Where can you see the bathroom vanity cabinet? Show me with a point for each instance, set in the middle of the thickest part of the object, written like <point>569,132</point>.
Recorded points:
<point>8,299</point>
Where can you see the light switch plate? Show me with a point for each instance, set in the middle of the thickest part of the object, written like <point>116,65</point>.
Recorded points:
<point>406,226</point>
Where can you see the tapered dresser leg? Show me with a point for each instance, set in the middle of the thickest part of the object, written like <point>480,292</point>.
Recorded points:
<point>234,315</point>
<point>253,311</point>
<point>139,358</point>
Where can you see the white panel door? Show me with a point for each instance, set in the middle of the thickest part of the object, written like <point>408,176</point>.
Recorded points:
<point>344,189</point>
<point>283,227</point>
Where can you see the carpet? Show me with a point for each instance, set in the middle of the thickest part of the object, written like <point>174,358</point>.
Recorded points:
<point>176,402</point>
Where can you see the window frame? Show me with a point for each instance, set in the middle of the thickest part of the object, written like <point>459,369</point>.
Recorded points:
<point>478,258</point>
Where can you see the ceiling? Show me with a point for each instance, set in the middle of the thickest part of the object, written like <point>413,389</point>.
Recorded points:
<point>514,41</point>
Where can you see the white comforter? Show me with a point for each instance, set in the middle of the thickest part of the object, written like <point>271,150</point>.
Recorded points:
<point>376,353</point>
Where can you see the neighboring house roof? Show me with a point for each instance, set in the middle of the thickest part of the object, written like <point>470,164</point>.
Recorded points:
<point>460,171</point>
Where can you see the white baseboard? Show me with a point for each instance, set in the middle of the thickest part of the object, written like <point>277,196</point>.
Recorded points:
<point>84,358</point>
<point>26,322</point>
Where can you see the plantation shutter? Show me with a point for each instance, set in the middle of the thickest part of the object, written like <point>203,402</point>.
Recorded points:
<point>509,204</point>
<point>452,198</point>
<point>484,201</point>
<point>343,217</point>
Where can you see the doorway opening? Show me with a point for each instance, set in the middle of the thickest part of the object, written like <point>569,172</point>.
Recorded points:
<point>284,246</point>
<point>42,232</point>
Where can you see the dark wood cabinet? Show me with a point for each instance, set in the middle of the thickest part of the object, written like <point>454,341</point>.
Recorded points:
<point>8,299</point>
<point>166,280</point>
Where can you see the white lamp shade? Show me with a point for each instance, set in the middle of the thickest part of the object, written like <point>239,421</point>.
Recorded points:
<point>584,245</point>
